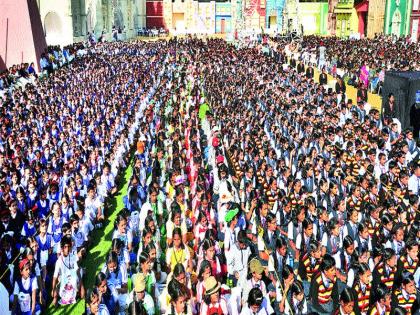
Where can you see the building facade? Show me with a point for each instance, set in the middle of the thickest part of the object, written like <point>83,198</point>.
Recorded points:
<point>376,18</point>
<point>415,21</point>
<point>362,8</point>
<point>274,15</point>
<point>347,22</point>
<point>397,17</point>
<point>68,21</point>
<point>21,33</point>
<point>332,18</point>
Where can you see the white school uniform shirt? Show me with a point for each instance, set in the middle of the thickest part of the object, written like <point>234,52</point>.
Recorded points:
<point>64,265</point>
<point>237,261</point>
<point>264,310</point>
<point>287,307</point>
<point>249,285</point>
<point>26,284</point>
<point>414,184</point>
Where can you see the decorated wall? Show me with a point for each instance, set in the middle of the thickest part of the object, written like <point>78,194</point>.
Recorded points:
<point>397,17</point>
<point>346,18</point>
<point>376,17</point>
<point>68,21</point>
<point>274,15</point>
<point>314,17</point>
<point>415,21</point>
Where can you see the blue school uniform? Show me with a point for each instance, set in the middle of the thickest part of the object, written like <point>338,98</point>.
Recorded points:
<point>25,298</point>
<point>44,247</point>
<point>56,229</point>
<point>43,207</point>
<point>29,231</point>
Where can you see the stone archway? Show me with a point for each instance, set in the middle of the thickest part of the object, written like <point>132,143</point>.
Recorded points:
<point>53,28</point>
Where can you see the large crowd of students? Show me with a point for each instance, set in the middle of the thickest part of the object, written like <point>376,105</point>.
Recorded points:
<point>253,189</point>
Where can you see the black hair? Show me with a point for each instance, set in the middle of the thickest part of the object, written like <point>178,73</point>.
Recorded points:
<point>347,242</point>
<point>387,254</point>
<point>178,231</point>
<point>118,219</point>
<point>112,257</point>
<point>204,264</point>
<point>313,245</point>
<point>117,244</point>
<point>287,271</point>
<point>242,237</point>
<point>66,240</point>
<point>381,292</point>
<point>90,294</point>
<point>143,257</point>
<point>178,269</point>
<point>65,228</point>
<point>137,308</point>
<point>281,242</point>
<point>327,263</point>
<point>306,223</point>
<point>255,297</point>
<point>347,296</point>
<point>74,218</point>
<point>207,243</point>
<point>361,270</point>
<point>407,277</point>
<point>331,225</point>
<point>296,288</point>
<point>100,277</point>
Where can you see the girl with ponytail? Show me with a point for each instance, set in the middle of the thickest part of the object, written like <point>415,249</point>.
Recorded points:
<point>382,301</point>
<point>345,258</point>
<point>298,304</point>
<point>331,239</point>
<point>386,270</point>
<point>356,260</point>
<point>362,289</point>
<point>409,260</point>
<point>309,264</point>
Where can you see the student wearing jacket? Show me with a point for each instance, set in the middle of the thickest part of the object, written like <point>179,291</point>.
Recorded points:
<point>324,289</point>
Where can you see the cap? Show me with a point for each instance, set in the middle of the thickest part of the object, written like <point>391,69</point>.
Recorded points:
<point>255,266</point>
<point>139,282</point>
<point>23,263</point>
<point>211,285</point>
<point>215,142</point>
<point>231,214</point>
<point>220,159</point>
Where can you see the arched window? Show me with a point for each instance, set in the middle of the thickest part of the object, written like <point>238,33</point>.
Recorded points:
<point>53,27</point>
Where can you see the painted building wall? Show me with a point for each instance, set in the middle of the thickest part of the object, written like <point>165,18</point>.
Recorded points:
<point>376,17</point>
<point>21,34</point>
<point>274,14</point>
<point>57,21</point>
<point>314,17</point>
<point>254,14</point>
<point>223,19</point>
<point>397,17</point>
<point>154,14</point>
<point>415,21</point>
<point>68,21</point>
<point>332,18</point>
<point>347,20</point>
<point>190,16</point>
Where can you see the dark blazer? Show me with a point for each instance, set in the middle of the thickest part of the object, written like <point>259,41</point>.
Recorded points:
<point>389,112</point>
